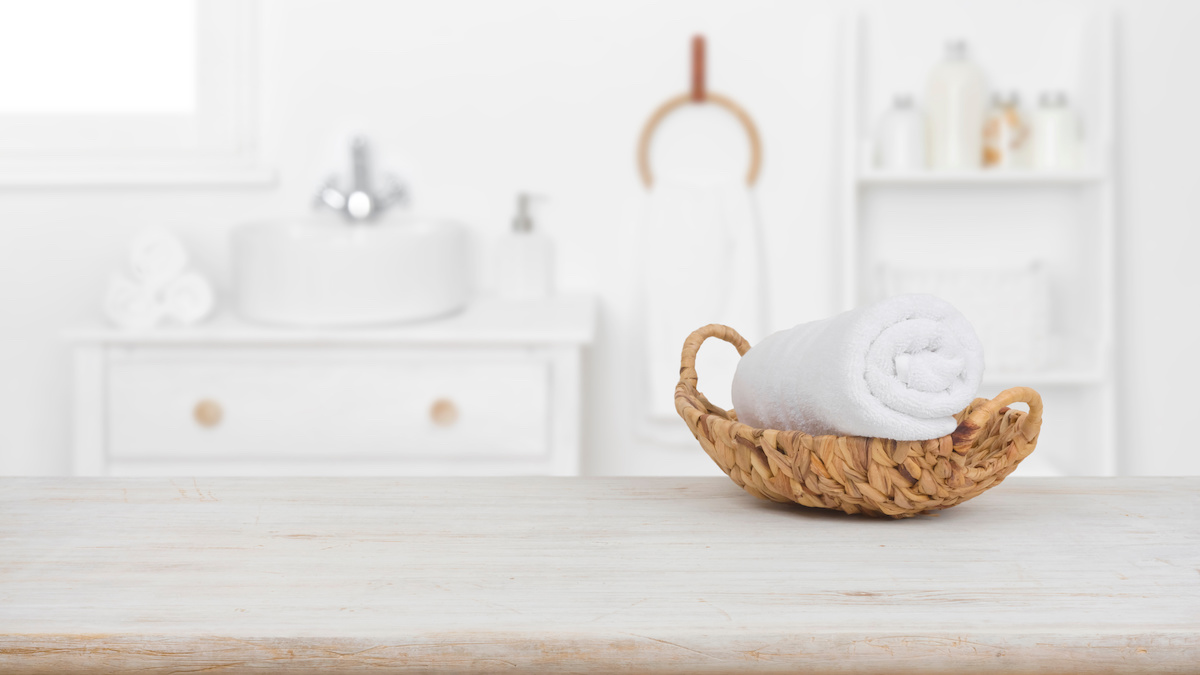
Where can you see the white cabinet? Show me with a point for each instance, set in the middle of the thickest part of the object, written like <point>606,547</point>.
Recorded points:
<point>495,390</point>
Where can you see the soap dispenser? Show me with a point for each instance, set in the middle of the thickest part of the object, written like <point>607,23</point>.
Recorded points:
<point>525,259</point>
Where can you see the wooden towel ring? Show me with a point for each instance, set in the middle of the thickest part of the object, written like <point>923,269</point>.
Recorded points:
<point>699,94</point>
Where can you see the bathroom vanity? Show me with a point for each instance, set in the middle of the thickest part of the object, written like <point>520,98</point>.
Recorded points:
<point>493,390</point>
<point>590,575</point>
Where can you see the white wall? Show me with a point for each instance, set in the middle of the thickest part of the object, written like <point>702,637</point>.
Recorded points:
<point>477,100</point>
<point>1159,237</point>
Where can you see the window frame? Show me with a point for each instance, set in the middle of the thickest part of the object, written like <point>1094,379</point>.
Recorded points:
<point>219,144</point>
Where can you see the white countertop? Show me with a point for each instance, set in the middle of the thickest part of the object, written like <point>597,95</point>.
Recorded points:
<point>591,575</point>
<point>567,319</point>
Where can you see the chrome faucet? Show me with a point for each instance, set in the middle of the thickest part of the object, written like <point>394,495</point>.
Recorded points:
<point>360,203</point>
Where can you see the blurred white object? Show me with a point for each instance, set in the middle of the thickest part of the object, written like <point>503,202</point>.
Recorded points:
<point>1007,303</point>
<point>1056,144</point>
<point>188,299</point>
<point>159,288</point>
<point>702,264</point>
<point>326,272</point>
<point>954,105</point>
<point>156,257</point>
<point>130,305</point>
<point>900,139</point>
<point>524,259</point>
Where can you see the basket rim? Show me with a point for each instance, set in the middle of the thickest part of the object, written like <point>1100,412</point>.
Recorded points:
<point>860,474</point>
<point>977,417</point>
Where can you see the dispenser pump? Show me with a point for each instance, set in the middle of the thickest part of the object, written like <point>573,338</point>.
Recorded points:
<point>525,258</point>
<point>523,221</point>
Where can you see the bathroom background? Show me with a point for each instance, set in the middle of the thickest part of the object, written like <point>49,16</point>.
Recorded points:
<point>474,102</point>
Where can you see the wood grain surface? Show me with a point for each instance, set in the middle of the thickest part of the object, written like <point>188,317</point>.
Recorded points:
<point>590,575</point>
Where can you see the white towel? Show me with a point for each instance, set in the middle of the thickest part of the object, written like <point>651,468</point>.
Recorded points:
<point>159,288</point>
<point>156,257</point>
<point>188,299</point>
<point>898,369</point>
<point>132,306</point>
<point>701,264</point>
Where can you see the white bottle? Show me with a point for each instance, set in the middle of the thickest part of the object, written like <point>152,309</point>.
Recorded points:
<point>954,109</point>
<point>900,140</point>
<point>524,259</point>
<point>1056,145</point>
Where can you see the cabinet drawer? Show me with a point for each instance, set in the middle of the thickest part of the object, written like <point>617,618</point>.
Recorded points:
<point>329,404</point>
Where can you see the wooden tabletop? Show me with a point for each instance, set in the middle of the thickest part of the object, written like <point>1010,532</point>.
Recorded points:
<point>590,575</point>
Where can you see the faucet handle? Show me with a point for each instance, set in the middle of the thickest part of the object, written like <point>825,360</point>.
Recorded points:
<point>395,192</point>
<point>330,196</point>
<point>358,202</point>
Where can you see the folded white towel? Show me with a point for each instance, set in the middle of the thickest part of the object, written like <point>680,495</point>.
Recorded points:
<point>897,369</point>
<point>159,288</point>
<point>132,306</point>
<point>156,257</point>
<point>188,299</point>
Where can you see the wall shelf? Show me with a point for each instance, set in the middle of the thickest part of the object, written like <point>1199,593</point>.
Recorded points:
<point>979,178</point>
<point>1043,378</point>
<point>1003,239</point>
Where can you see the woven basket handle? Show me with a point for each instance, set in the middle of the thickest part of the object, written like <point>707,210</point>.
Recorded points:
<point>687,364</point>
<point>966,432</point>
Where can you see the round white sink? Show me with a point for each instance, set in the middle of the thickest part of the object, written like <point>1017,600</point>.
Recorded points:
<point>327,272</point>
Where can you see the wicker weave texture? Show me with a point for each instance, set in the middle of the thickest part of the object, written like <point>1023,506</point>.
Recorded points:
<point>870,476</point>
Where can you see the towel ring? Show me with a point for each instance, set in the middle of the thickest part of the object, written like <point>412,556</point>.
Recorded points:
<point>699,94</point>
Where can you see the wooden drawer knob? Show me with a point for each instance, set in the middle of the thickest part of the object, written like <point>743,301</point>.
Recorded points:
<point>208,413</point>
<point>443,412</point>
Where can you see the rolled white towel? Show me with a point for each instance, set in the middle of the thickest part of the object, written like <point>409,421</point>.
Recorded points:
<point>156,257</point>
<point>897,369</point>
<point>188,299</point>
<point>132,306</point>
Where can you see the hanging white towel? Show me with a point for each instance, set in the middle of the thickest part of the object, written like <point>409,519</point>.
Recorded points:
<point>701,264</point>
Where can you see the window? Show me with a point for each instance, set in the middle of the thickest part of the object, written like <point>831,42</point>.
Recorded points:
<point>128,91</point>
<point>71,57</point>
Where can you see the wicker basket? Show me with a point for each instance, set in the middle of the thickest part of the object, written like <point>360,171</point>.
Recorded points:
<point>872,476</point>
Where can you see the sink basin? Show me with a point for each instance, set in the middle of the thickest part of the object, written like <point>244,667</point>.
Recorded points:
<point>326,272</point>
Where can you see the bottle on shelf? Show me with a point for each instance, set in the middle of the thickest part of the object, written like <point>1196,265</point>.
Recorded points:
<point>954,109</point>
<point>1056,145</point>
<point>900,138</point>
<point>524,259</point>
<point>1005,134</point>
